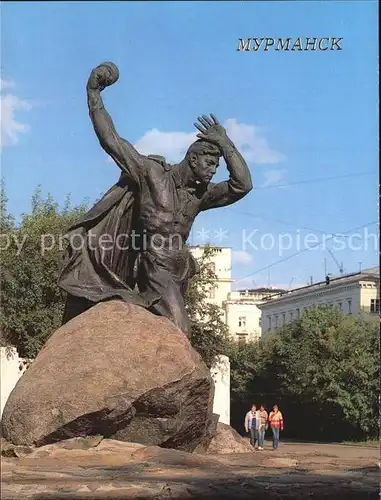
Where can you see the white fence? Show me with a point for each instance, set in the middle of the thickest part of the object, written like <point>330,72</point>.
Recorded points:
<point>12,367</point>
<point>221,375</point>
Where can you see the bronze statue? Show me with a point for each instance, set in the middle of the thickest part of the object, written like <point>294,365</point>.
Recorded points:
<point>146,217</point>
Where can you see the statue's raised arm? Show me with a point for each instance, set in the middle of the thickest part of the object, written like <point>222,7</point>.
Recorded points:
<point>239,183</point>
<point>120,150</point>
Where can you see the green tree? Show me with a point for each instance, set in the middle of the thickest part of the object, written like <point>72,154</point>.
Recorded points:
<point>330,362</point>
<point>254,377</point>
<point>31,302</point>
<point>7,222</point>
<point>209,332</point>
<point>322,370</point>
<point>245,365</point>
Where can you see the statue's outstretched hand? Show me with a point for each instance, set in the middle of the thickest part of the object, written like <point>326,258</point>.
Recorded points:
<point>103,76</point>
<point>211,130</point>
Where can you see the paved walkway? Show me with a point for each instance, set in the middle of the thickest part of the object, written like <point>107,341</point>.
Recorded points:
<point>347,451</point>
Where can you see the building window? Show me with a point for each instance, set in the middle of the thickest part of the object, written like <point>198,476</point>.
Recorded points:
<point>242,321</point>
<point>349,306</point>
<point>269,318</point>
<point>276,321</point>
<point>340,305</point>
<point>375,305</point>
<point>284,317</point>
<point>212,293</point>
<point>298,314</point>
<point>291,315</point>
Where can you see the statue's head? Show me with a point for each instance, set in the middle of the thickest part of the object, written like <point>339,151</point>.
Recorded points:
<point>203,159</point>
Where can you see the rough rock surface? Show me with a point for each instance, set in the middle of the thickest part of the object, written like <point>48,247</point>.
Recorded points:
<point>119,470</point>
<point>118,371</point>
<point>227,440</point>
<point>13,450</point>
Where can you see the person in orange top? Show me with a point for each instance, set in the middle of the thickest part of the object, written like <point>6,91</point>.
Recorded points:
<point>276,424</point>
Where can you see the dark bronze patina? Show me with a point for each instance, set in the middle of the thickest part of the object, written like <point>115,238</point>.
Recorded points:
<point>131,244</point>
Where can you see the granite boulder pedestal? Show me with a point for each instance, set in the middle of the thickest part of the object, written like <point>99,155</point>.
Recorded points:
<point>120,372</point>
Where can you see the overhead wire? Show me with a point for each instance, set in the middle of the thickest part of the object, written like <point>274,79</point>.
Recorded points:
<point>319,179</point>
<point>299,252</point>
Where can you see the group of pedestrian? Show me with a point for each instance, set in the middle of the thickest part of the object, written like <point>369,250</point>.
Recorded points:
<point>258,421</point>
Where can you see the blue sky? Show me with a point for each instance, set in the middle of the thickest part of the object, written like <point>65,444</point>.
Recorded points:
<point>298,116</point>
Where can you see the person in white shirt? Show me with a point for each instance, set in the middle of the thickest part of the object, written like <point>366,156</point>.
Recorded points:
<point>251,425</point>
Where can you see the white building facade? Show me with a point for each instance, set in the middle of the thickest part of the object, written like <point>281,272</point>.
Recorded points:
<point>221,263</point>
<point>243,315</point>
<point>352,294</point>
<point>239,309</point>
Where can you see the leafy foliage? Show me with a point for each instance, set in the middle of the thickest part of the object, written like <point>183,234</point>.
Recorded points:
<point>7,222</point>
<point>208,329</point>
<point>31,302</point>
<point>322,370</point>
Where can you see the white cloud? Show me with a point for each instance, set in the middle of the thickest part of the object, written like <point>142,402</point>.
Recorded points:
<point>11,105</point>
<point>173,145</point>
<point>242,257</point>
<point>274,178</point>
<point>251,143</point>
<point>6,84</point>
